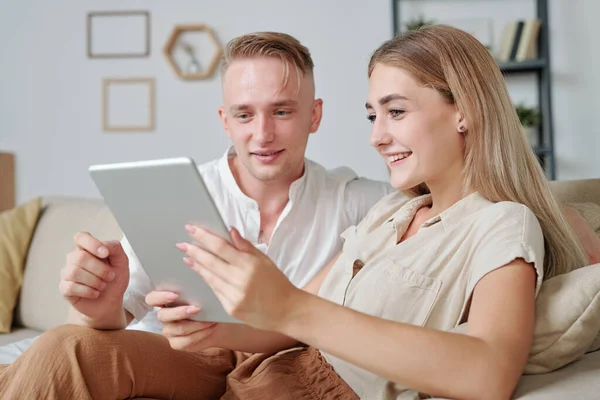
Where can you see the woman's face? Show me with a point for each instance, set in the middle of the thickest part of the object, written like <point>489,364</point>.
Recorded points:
<point>415,129</point>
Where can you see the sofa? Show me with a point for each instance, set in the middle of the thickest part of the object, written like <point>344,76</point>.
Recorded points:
<point>40,306</point>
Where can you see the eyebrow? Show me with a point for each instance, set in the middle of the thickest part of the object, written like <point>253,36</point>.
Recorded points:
<point>386,99</point>
<point>281,103</point>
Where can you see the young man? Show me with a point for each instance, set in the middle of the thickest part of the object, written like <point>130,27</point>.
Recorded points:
<point>263,186</point>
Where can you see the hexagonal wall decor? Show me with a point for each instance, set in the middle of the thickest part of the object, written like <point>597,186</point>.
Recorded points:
<point>193,51</point>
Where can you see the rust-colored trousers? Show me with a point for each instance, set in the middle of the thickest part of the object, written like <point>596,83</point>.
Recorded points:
<point>74,362</point>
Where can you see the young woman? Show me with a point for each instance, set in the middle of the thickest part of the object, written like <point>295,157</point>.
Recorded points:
<point>469,237</point>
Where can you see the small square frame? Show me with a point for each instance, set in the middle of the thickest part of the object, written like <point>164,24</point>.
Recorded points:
<point>145,52</point>
<point>107,126</point>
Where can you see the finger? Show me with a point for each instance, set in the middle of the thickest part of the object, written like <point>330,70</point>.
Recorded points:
<point>116,254</point>
<point>193,342</point>
<point>240,243</point>
<point>77,274</point>
<point>87,242</point>
<point>227,293</point>
<point>203,258</point>
<point>160,298</point>
<point>171,314</point>
<point>185,327</point>
<point>90,263</point>
<point>214,244</point>
<point>72,289</point>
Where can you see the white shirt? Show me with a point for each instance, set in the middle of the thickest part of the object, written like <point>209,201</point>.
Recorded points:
<point>322,204</point>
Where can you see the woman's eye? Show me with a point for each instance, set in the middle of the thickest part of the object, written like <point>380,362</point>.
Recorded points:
<point>371,118</point>
<point>396,112</point>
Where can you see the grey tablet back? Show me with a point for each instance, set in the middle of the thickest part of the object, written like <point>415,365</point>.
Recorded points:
<point>152,202</point>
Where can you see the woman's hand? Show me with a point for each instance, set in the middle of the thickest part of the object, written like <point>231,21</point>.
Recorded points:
<point>248,284</point>
<point>183,333</point>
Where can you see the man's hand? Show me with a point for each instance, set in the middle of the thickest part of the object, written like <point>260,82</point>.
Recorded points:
<point>94,280</point>
<point>183,333</point>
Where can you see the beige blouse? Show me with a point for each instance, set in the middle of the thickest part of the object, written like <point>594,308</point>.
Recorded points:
<point>428,279</point>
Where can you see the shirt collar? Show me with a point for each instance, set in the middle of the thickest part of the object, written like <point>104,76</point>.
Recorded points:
<point>449,218</point>
<point>461,209</point>
<point>296,188</point>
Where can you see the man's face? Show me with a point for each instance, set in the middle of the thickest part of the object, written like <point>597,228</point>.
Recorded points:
<point>269,123</point>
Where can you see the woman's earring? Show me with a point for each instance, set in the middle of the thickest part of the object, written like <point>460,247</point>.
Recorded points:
<point>461,128</point>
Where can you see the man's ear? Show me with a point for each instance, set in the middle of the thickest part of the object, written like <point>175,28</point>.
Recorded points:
<point>316,115</point>
<point>223,117</point>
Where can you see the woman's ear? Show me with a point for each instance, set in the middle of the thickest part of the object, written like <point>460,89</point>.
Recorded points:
<point>461,123</point>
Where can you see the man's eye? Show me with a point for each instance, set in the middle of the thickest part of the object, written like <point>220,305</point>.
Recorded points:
<point>394,112</point>
<point>371,118</point>
<point>242,116</point>
<point>282,113</point>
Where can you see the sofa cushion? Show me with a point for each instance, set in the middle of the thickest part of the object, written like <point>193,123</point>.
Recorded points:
<point>16,228</point>
<point>567,319</point>
<point>17,336</point>
<point>577,381</point>
<point>41,305</point>
<point>13,344</point>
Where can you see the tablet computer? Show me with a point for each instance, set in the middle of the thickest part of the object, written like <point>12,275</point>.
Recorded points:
<point>152,202</point>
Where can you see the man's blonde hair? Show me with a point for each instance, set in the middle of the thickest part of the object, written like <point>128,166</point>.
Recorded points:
<point>499,163</point>
<point>270,44</point>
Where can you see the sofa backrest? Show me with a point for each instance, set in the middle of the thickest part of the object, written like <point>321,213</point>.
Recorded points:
<point>40,304</point>
<point>577,191</point>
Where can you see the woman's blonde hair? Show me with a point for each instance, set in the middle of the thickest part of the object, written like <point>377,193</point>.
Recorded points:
<point>270,44</point>
<point>499,163</point>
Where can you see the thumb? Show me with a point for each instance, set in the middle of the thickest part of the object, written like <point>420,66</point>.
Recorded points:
<point>116,255</point>
<point>240,243</point>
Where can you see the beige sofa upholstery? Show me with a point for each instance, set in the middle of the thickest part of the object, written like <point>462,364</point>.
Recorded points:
<point>41,307</point>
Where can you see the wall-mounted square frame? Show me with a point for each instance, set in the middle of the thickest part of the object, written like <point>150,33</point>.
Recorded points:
<point>118,34</point>
<point>128,104</point>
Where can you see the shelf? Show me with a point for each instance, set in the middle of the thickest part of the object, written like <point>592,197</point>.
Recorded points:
<point>523,66</point>
<point>542,151</point>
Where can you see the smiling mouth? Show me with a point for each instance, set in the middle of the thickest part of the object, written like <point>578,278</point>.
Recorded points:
<point>272,153</point>
<point>398,157</point>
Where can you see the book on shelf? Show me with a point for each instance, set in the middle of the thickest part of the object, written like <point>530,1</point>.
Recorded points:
<point>527,49</point>
<point>519,41</point>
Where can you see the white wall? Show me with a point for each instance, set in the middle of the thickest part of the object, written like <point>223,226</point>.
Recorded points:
<point>575,56</point>
<point>50,109</point>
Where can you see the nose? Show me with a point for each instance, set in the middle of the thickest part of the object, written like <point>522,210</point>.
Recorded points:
<point>265,129</point>
<point>379,134</point>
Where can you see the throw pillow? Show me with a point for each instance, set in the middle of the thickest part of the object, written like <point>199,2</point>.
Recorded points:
<point>567,319</point>
<point>16,229</point>
<point>584,218</point>
<point>590,212</point>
